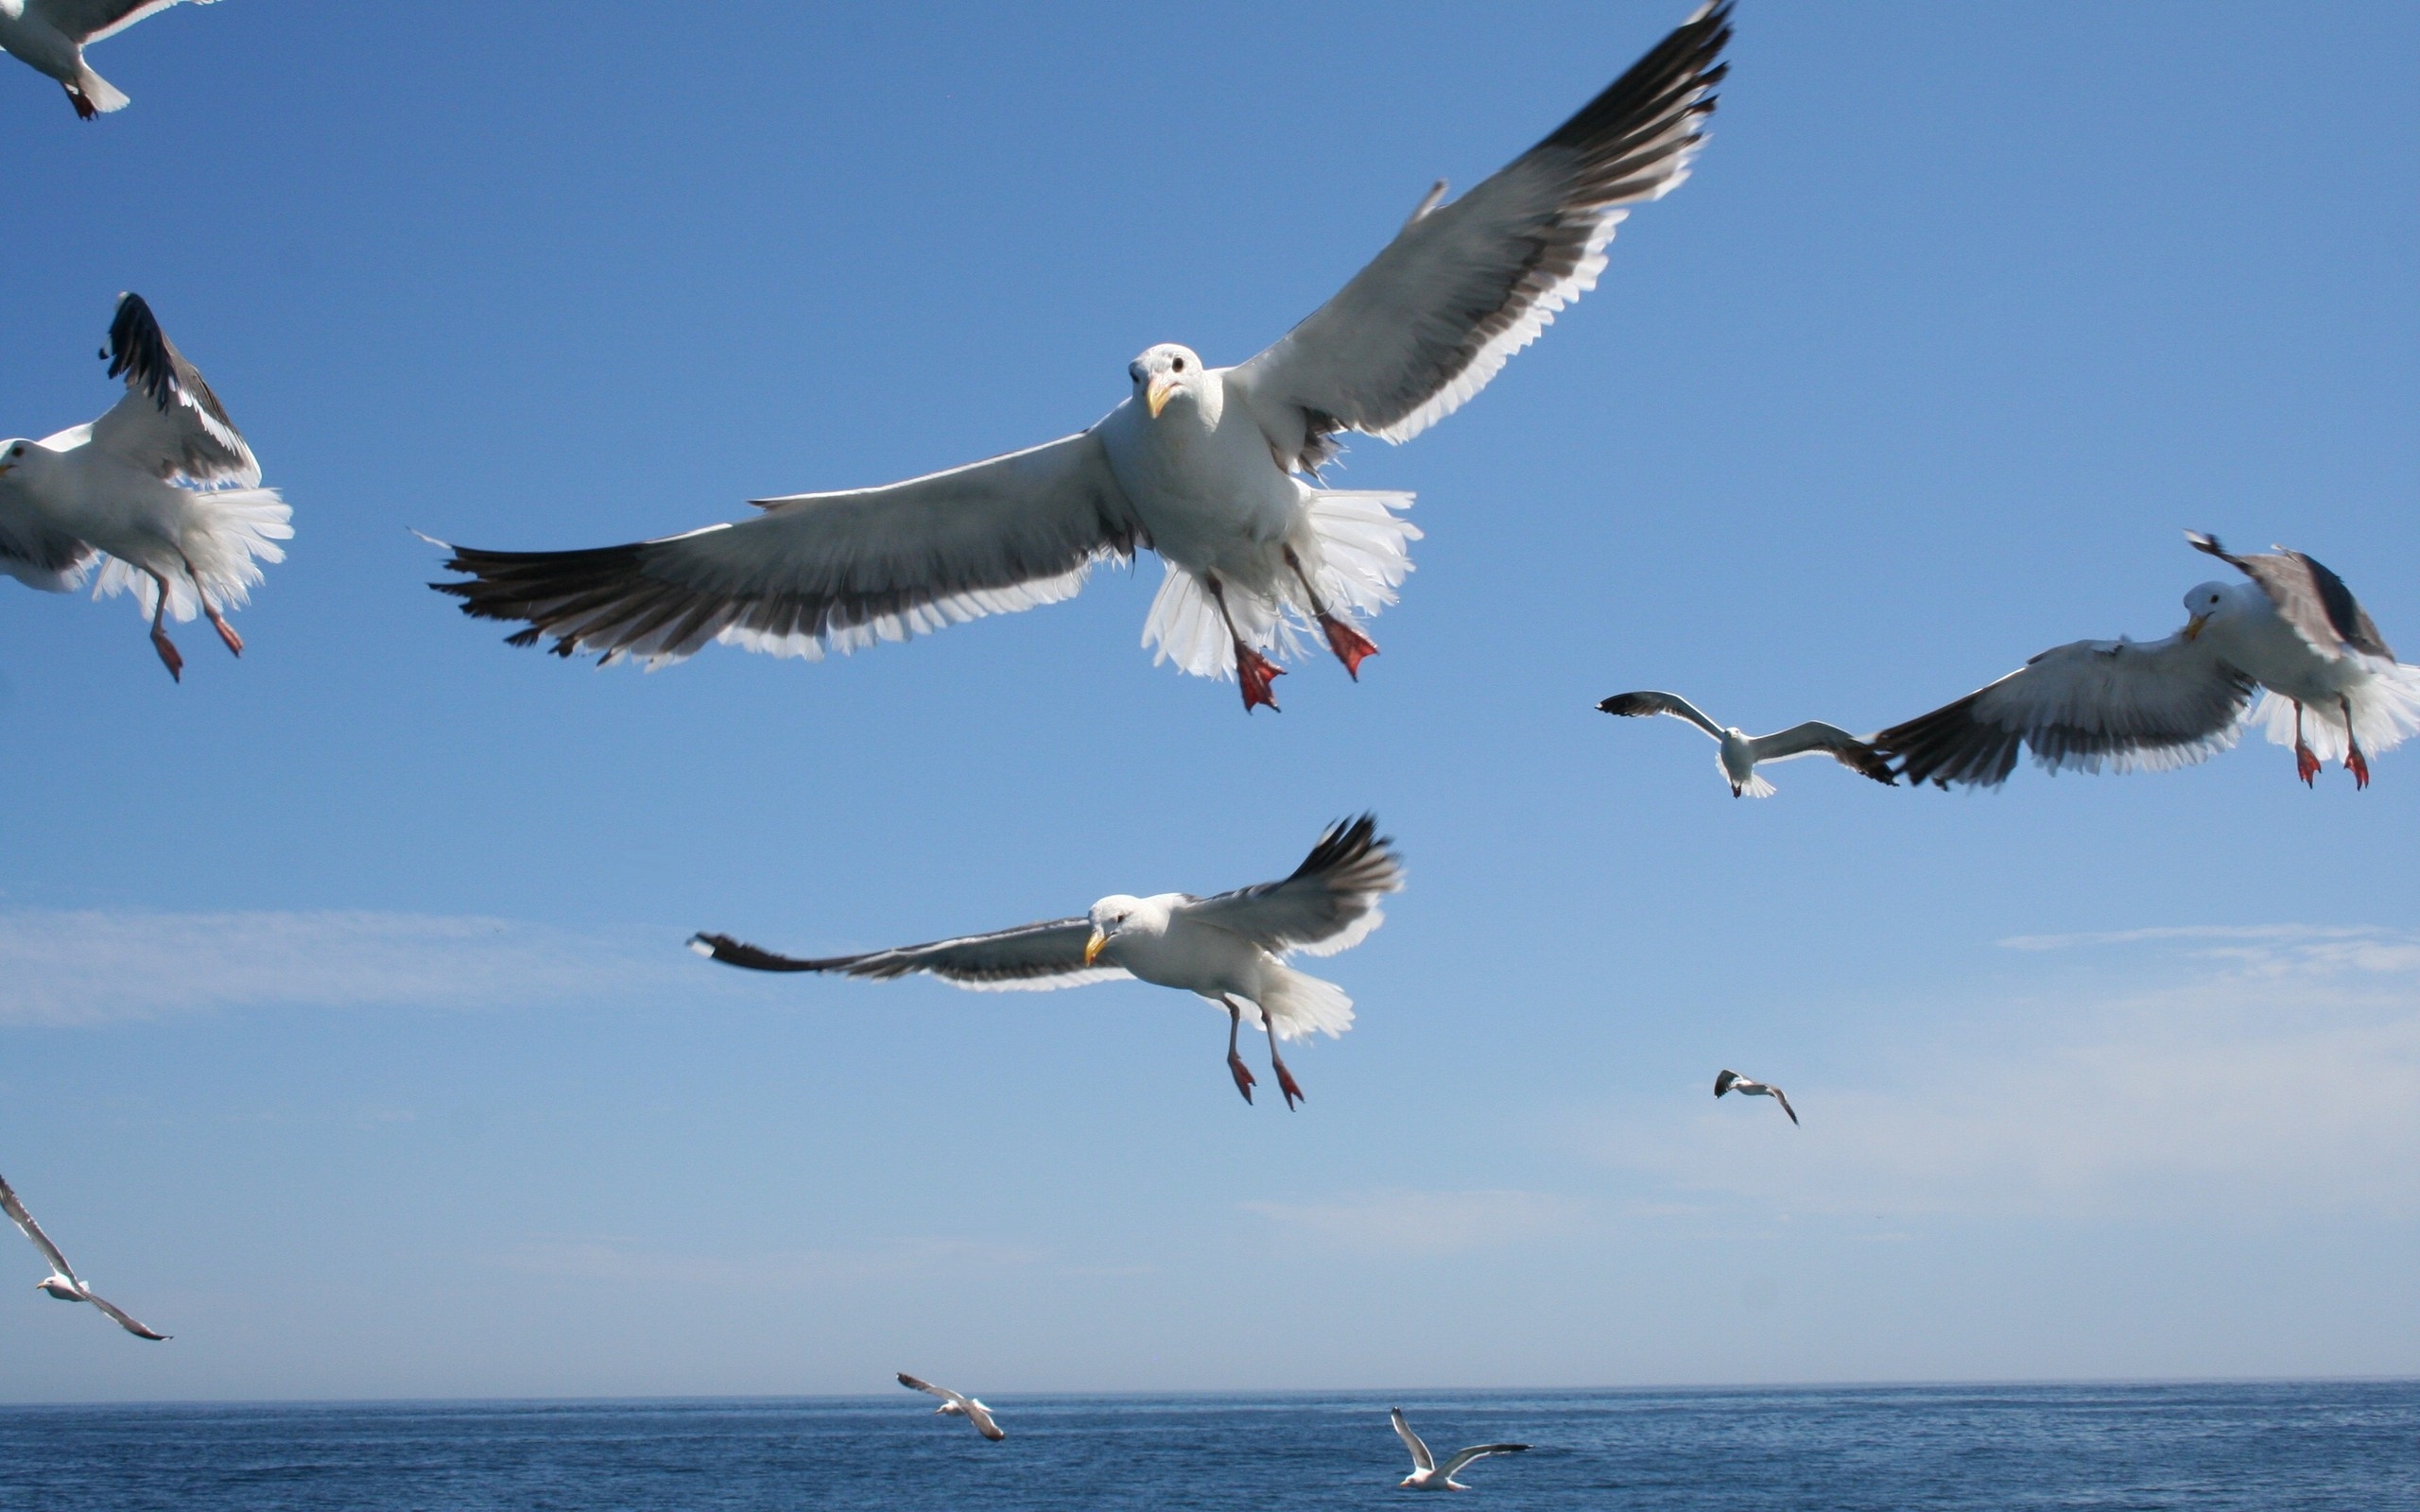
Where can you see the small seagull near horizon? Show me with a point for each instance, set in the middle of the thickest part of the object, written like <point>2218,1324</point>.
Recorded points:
<point>51,35</point>
<point>1426,1474</point>
<point>62,1281</point>
<point>1731,1081</point>
<point>954,1405</point>
<point>162,494</point>
<point>1225,948</point>
<point>2294,634</point>
<point>1741,753</point>
<point>1217,469</point>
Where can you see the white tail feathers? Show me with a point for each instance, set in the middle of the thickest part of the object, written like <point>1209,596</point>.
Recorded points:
<point>1756,786</point>
<point>231,532</point>
<point>1298,1004</point>
<point>1349,541</point>
<point>99,92</point>
<point>2386,712</point>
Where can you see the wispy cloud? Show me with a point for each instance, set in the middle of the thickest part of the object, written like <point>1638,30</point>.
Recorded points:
<point>625,1261</point>
<point>2273,950</point>
<point>1402,1221</point>
<point>79,968</point>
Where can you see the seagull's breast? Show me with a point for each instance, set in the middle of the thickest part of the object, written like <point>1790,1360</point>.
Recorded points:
<point>1191,957</point>
<point>1203,482</point>
<point>2258,642</point>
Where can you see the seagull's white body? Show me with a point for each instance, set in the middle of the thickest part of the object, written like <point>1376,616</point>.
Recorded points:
<point>50,35</point>
<point>63,1283</point>
<point>1428,1475</point>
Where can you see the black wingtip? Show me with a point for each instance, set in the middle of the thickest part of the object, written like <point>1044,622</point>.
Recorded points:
<point>1628,705</point>
<point>2204,541</point>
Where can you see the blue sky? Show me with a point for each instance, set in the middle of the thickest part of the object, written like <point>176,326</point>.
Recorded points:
<point>344,1027</point>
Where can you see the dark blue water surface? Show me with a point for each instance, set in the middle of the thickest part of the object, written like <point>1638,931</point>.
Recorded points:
<point>2334,1445</point>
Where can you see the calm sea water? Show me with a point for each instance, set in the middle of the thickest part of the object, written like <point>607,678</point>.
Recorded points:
<point>2335,1446</point>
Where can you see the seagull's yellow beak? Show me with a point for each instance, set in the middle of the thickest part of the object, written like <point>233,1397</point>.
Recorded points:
<point>1156,396</point>
<point>2193,627</point>
<point>1092,946</point>
<point>6,468</point>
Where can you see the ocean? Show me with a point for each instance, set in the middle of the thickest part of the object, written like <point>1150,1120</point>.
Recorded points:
<point>2339,1446</point>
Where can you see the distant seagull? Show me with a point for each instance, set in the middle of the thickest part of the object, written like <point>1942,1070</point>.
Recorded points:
<point>1225,948</point>
<point>109,492</point>
<point>52,36</point>
<point>1213,467</point>
<point>1731,1081</point>
<point>1741,752</point>
<point>1426,1474</point>
<point>2295,632</point>
<point>954,1405</point>
<point>61,1283</point>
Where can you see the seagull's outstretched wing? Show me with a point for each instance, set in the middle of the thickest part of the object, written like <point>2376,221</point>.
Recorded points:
<point>1641,705</point>
<point>1330,903</point>
<point>2309,597</point>
<point>36,552</point>
<point>823,571</point>
<point>1465,285</point>
<point>1816,738</point>
<point>169,424</point>
<point>122,1320</point>
<point>89,20</point>
<point>1775,1093</point>
<point>2122,705</point>
<point>1479,1452</point>
<point>17,1209</point>
<point>1726,1082</point>
<point>1421,1458</point>
<point>1029,958</point>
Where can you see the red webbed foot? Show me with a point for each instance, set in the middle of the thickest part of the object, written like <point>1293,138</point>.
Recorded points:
<point>168,656</point>
<point>1351,647</point>
<point>227,633</point>
<point>2358,765</point>
<point>1287,1084</point>
<point>1256,672</point>
<point>1244,1079</point>
<point>85,111</point>
<point>2305,765</point>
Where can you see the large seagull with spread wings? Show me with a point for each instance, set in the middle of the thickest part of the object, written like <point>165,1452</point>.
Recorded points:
<point>1226,949</point>
<point>1215,469</point>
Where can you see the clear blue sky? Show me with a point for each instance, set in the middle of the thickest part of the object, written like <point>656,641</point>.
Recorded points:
<point>345,1031</point>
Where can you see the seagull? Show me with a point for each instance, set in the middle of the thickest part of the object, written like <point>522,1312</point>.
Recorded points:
<point>1226,949</point>
<point>2295,633</point>
<point>1217,469</point>
<point>1741,752</point>
<point>61,1283</point>
<point>1731,1081</point>
<point>954,1405</point>
<point>52,35</point>
<point>1426,1475</point>
<point>161,491</point>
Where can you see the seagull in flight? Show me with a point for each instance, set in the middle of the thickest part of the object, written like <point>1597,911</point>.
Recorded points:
<point>162,494</point>
<point>954,1405</point>
<point>1731,1081</point>
<point>1741,752</point>
<point>63,1283</point>
<point>52,35</point>
<point>1226,948</point>
<point>2294,634</point>
<point>1426,1474</point>
<point>1218,470</point>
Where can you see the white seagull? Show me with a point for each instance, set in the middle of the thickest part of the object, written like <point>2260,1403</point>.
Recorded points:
<point>954,1405</point>
<point>161,491</point>
<point>2295,633</point>
<point>61,1283</point>
<point>1426,1474</point>
<point>1225,948</point>
<point>1215,469</point>
<point>1731,1081</point>
<point>1741,752</point>
<point>52,35</point>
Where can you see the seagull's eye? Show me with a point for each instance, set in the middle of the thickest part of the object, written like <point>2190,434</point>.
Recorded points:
<point>1180,365</point>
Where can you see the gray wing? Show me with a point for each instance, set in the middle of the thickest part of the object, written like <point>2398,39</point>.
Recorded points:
<point>2309,597</point>
<point>918,1383</point>
<point>1330,904</point>
<point>89,20</point>
<point>1816,738</point>
<point>1465,285</point>
<point>2119,705</point>
<point>169,424</point>
<point>17,1209</point>
<point>1421,1458</point>
<point>1479,1452</point>
<point>1724,1082</point>
<point>1774,1093</point>
<point>980,1417</point>
<point>119,1318</point>
<point>1639,705</point>
<point>36,552</point>
<point>819,571</point>
<point>1029,958</point>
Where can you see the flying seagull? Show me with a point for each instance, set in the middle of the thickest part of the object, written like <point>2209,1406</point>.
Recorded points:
<point>1741,752</point>
<point>52,35</point>
<point>61,1283</point>
<point>1426,1474</point>
<point>162,492</point>
<point>1215,469</point>
<point>2295,633</point>
<point>1731,1081</point>
<point>1227,948</point>
<point>954,1405</point>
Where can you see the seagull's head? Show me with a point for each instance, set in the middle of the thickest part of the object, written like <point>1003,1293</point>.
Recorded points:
<point>2204,602</point>
<point>17,451</point>
<point>1167,372</point>
<point>61,1287</point>
<point>1110,915</point>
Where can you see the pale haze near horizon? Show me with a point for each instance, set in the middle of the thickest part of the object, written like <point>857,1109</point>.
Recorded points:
<point>344,1029</point>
